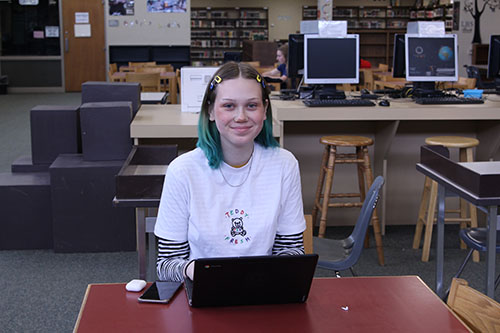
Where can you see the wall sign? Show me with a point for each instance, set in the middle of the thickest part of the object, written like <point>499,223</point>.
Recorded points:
<point>81,17</point>
<point>82,30</point>
<point>28,2</point>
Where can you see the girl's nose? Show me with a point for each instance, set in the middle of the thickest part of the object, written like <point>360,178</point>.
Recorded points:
<point>241,114</point>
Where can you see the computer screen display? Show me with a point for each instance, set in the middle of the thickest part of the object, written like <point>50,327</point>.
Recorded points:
<point>398,57</point>
<point>431,58</point>
<point>494,57</point>
<point>331,60</point>
<point>295,55</point>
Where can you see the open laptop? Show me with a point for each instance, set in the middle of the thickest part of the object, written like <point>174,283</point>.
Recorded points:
<point>251,280</point>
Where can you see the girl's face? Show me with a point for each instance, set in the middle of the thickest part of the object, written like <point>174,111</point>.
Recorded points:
<point>280,57</point>
<point>238,112</point>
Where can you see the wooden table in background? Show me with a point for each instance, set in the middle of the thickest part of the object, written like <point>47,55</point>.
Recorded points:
<point>360,304</point>
<point>169,76</point>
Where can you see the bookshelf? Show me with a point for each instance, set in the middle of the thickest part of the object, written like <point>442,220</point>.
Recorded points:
<point>434,13</point>
<point>309,13</point>
<point>217,30</point>
<point>376,27</point>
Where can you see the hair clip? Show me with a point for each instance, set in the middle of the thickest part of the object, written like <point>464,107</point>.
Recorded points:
<point>217,79</point>
<point>259,79</point>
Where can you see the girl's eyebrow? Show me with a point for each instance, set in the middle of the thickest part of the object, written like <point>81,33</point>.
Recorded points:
<point>232,99</point>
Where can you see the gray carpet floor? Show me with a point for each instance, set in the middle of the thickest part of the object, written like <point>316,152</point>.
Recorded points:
<point>42,291</point>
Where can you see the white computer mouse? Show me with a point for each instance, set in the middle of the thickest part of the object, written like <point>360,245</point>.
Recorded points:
<point>135,285</point>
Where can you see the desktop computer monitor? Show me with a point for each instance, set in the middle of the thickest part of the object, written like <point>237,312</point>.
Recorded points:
<point>494,57</point>
<point>295,55</point>
<point>398,57</point>
<point>331,60</point>
<point>431,58</point>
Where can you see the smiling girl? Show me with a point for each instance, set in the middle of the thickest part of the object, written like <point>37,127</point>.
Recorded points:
<point>237,193</point>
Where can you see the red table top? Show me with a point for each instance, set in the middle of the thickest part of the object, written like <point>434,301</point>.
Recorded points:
<point>362,304</point>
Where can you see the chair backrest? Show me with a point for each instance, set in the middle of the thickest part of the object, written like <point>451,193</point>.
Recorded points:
<point>142,64</point>
<point>383,67</point>
<point>113,68</point>
<point>148,81</point>
<point>357,236</point>
<point>166,67</point>
<point>307,235</point>
<point>368,79</point>
<point>353,245</point>
<point>478,311</point>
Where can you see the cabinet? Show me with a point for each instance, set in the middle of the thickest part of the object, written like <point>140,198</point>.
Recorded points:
<point>217,30</point>
<point>260,50</point>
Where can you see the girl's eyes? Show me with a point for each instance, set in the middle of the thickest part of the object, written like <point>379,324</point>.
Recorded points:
<point>251,106</point>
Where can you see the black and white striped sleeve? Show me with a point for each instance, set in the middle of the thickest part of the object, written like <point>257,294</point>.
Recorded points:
<point>172,257</point>
<point>288,245</point>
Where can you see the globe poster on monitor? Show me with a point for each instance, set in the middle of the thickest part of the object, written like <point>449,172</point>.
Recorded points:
<point>166,6</point>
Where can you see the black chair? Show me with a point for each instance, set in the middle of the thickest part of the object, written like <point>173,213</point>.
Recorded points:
<point>475,238</point>
<point>473,72</point>
<point>339,255</point>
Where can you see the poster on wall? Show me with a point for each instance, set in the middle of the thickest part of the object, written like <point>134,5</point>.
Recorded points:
<point>166,6</point>
<point>121,7</point>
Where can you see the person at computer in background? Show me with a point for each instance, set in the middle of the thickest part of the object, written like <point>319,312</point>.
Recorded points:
<point>238,193</point>
<point>281,71</point>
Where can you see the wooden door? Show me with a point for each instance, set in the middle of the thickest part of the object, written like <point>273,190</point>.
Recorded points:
<point>84,57</point>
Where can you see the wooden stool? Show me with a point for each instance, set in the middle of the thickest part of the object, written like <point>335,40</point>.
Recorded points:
<point>365,178</point>
<point>429,197</point>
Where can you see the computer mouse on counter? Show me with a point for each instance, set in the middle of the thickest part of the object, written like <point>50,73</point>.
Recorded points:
<point>384,102</point>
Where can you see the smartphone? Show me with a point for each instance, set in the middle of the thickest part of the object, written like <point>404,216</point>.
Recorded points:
<point>160,292</point>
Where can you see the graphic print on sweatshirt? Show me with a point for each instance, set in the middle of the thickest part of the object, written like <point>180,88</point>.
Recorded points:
<point>236,234</point>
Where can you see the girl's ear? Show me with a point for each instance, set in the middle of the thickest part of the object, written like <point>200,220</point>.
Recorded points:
<point>211,116</point>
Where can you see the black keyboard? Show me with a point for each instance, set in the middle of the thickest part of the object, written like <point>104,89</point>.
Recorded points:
<point>337,102</point>
<point>369,96</point>
<point>448,100</point>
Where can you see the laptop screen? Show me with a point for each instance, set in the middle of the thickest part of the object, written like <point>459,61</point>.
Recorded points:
<point>251,280</point>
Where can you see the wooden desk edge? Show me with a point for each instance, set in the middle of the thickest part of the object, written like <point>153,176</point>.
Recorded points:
<point>84,302</point>
<point>77,324</point>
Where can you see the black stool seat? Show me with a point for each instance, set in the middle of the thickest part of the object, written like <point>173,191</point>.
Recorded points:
<point>475,238</point>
